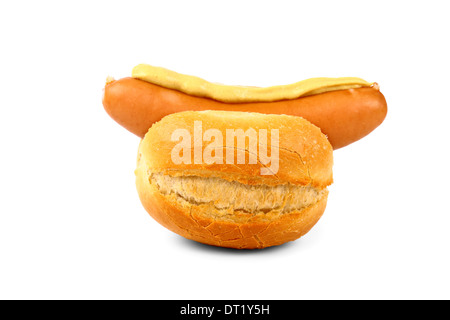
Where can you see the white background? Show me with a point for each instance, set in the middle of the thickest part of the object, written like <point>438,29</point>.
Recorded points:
<point>71,224</point>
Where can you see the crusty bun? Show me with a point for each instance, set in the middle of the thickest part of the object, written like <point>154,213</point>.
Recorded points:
<point>237,203</point>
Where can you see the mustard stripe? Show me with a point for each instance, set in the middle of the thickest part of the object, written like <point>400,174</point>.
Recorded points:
<point>240,94</point>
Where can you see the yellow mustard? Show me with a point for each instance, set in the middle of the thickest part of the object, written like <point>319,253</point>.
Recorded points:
<point>196,86</point>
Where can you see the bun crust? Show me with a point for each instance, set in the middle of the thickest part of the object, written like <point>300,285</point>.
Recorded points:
<point>233,205</point>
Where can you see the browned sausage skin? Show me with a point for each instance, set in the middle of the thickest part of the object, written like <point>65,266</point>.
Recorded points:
<point>345,116</point>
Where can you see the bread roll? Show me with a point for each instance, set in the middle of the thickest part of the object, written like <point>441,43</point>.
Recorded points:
<point>222,188</point>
